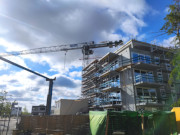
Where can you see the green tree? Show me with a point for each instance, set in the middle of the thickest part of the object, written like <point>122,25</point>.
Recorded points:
<point>5,105</point>
<point>172,27</point>
<point>176,104</point>
<point>25,111</point>
<point>172,21</point>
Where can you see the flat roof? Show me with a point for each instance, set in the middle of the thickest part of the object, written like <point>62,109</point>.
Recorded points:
<point>110,54</point>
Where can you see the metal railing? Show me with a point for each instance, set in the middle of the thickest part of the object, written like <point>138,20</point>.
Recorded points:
<point>110,84</point>
<point>146,99</point>
<point>148,78</point>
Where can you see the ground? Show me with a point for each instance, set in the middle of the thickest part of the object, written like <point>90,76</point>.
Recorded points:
<point>12,125</point>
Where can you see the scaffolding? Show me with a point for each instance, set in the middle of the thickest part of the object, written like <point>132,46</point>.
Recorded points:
<point>102,83</point>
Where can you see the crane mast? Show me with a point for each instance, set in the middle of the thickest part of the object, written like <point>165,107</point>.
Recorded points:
<point>49,97</point>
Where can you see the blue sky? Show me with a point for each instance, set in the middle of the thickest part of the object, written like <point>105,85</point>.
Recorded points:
<point>43,23</point>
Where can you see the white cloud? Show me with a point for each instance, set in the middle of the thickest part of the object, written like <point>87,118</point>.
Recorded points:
<point>168,42</point>
<point>166,10</point>
<point>34,24</point>
<point>75,74</point>
<point>29,89</point>
<point>3,65</point>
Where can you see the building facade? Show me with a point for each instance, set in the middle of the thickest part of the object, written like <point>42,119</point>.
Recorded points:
<point>71,106</point>
<point>134,77</point>
<point>16,111</point>
<point>38,110</point>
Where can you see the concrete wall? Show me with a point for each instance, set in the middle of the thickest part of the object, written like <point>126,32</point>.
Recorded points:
<point>127,93</point>
<point>71,107</point>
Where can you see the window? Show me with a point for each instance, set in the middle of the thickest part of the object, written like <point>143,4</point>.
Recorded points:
<point>146,92</point>
<point>116,64</point>
<point>163,93</point>
<point>148,59</point>
<point>112,67</point>
<point>152,92</point>
<point>156,60</point>
<point>141,58</point>
<point>42,108</point>
<point>150,76</point>
<point>159,77</point>
<point>168,66</point>
<point>135,57</point>
<point>144,76</point>
<point>139,92</point>
<point>137,76</point>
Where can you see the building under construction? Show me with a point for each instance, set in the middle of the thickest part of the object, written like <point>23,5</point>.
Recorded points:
<point>134,77</point>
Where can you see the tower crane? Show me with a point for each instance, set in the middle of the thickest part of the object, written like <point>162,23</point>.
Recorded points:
<point>86,51</point>
<point>86,48</point>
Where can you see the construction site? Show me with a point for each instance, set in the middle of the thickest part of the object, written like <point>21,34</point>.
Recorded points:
<point>123,93</point>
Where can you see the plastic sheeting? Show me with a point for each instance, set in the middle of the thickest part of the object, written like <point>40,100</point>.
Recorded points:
<point>147,123</point>
<point>98,122</point>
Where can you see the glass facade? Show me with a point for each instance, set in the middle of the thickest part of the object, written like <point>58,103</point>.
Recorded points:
<point>113,82</point>
<point>168,66</point>
<point>143,76</point>
<point>146,95</point>
<point>156,60</point>
<point>136,57</point>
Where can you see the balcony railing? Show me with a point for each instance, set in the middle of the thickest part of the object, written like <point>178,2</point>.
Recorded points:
<point>146,99</point>
<point>109,102</point>
<point>110,84</point>
<point>148,79</point>
<point>92,91</point>
<point>146,59</point>
<point>109,67</point>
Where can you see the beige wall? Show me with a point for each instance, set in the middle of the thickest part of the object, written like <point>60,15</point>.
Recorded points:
<point>71,107</point>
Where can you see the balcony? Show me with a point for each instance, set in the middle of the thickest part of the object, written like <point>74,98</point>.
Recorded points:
<point>111,102</point>
<point>109,69</point>
<point>111,99</point>
<point>86,88</point>
<point>91,92</point>
<point>107,58</point>
<point>110,86</point>
<point>147,100</point>
<point>92,70</point>
<point>148,81</point>
<point>145,62</point>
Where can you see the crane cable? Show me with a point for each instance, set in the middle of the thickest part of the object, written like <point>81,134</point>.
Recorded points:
<point>65,59</point>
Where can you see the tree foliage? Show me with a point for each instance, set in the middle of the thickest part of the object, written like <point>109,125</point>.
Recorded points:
<point>175,74</point>
<point>172,21</point>
<point>5,105</point>
<point>25,111</point>
<point>176,104</point>
<point>172,27</point>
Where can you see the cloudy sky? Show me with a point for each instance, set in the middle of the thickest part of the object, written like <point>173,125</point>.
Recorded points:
<point>27,24</point>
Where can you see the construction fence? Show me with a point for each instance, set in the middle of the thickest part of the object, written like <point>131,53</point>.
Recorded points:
<point>103,123</point>
<point>57,124</point>
<point>132,123</point>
